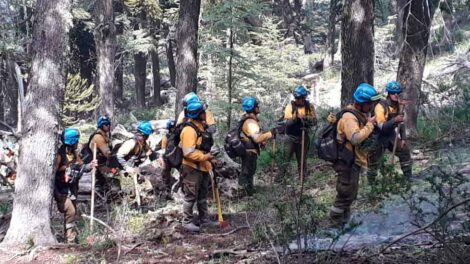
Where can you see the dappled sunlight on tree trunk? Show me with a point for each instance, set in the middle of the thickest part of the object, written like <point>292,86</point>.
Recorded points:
<point>357,50</point>
<point>186,50</point>
<point>417,18</point>
<point>30,221</point>
<point>105,38</point>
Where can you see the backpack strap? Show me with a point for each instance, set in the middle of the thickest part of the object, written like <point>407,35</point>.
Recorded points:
<point>362,121</point>
<point>198,131</point>
<point>385,105</point>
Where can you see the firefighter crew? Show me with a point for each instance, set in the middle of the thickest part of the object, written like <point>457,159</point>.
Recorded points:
<point>209,121</point>
<point>195,167</point>
<point>103,144</point>
<point>68,169</point>
<point>353,129</point>
<point>135,151</point>
<point>388,119</point>
<point>252,137</point>
<point>299,115</point>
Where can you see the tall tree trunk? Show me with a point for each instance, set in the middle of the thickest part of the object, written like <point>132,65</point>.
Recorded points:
<point>229,77</point>
<point>140,68</point>
<point>447,12</point>
<point>186,43</point>
<point>171,62</point>
<point>30,221</point>
<point>417,20</point>
<point>11,94</point>
<point>330,41</point>
<point>105,38</point>
<point>169,54</point>
<point>157,99</point>
<point>357,50</point>
<point>2,91</point>
<point>119,79</point>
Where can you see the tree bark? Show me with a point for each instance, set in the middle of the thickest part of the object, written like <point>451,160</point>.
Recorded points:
<point>229,77</point>
<point>105,39</point>
<point>169,55</point>
<point>186,43</point>
<point>157,99</point>
<point>2,91</point>
<point>330,41</point>
<point>119,79</point>
<point>417,20</point>
<point>140,68</point>
<point>357,50</point>
<point>30,221</point>
<point>11,94</point>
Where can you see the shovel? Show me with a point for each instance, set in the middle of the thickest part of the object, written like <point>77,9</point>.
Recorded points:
<point>216,196</point>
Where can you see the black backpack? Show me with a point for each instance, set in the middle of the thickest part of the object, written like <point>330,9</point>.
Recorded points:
<point>174,154</point>
<point>329,149</point>
<point>232,143</point>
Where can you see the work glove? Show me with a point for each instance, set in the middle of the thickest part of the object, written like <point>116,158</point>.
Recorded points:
<point>331,118</point>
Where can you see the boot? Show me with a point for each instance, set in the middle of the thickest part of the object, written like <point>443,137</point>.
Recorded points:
<point>191,227</point>
<point>71,236</point>
<point>338,216</point>
<point>206,222</point>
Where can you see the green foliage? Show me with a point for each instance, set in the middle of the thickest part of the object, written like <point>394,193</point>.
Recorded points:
<point>150,7</point>
<point>79,98</point>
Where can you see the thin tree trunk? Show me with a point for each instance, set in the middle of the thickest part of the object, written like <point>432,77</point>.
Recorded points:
<point>357,49</point>
<point>30,223</point>
<point>140,67</point>
<point>119,79</point>
<point>417,20</point>
<point>2,91</point>
<point>157,99</point>
<point>187,37</point>
<point>330,44</point>
<point>169,54</point>
<point>171,62</point>
<point>229,77</point>
<point>105,39</point>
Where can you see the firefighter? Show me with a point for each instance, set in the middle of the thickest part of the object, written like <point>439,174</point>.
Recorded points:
<point>353,129</point>
<point>389,119</point>
<point>68,169</point>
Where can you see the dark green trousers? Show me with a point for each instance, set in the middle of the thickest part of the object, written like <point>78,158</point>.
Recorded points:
<point>403,154</point>
<point>195,189</point>
<point>246,178</point>
<point>347,185</point>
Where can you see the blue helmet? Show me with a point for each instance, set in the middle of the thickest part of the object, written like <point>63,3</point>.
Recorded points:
<point>365,93</point>
<point>300,91</point>
<point>194,109</point>
<point>70,136</point>
<point>189,98</point>
<point>393,87</point>
<point>103,120</point>
<point>170,124</point>
<point>145,128</point>
<point>249,103</point>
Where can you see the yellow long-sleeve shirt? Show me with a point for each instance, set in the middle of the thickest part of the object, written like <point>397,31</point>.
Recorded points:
<point>382,115</point>
<point>189,142</point>
<point>252,129</point>
<point>349,129</point>
<point>300,113</point>
<point>209,118</point>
